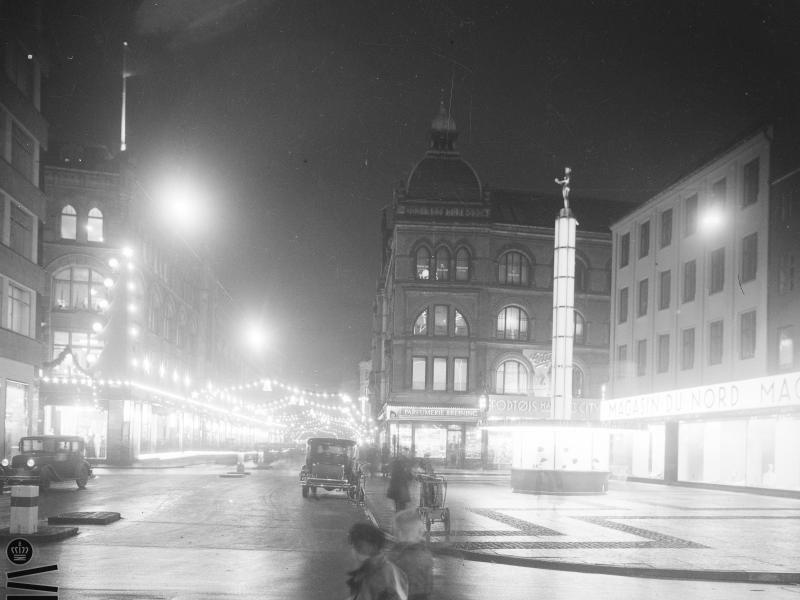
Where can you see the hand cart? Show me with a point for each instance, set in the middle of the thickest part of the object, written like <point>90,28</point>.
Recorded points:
<point>432,496</point>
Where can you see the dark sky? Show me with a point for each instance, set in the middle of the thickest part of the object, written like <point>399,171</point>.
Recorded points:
<point>299,118</point>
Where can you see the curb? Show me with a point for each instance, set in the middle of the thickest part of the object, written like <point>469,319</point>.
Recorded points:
<point>45,534</point>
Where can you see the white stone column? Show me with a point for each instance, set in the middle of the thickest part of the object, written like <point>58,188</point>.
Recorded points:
<point>563,313</point>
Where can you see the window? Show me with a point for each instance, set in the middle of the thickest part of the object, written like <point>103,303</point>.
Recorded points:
<point>442,264</point>
<point>663,353</point>
<point>154,320</point>
<point>719,192</point>
<point>641,358</point>
<point>666,228</point>
<point>577,381</point>
<point>21,231</point>
<point>623,305</point>
<point>460,373</point>
<point>749,257</point>
<point>580,328</point>
<point>644,239</point>
<point>20,303</point>
<point>664,289</point>
<point>439,374</point>
<point>94,226</point>
<point>622,360</point>
<point>423,264</point>
<point>171,321</point>
<point>440,320</point>
<point>624,250</point>
<point>22,152</point>
<point>69,223</point>
<point>717,271</point>
<point>689,280</point>
<point>750,191</point>
<point>786,273</point>
<point>581,275</point>
<point>690,215</point>
<point>460,327</point>
<point>86,348</point>
<point>786,347</point>
<point>644,288</point>
<point>421,324</point>
<point>512,324</point>
<point>512,378</point>
<point>418,364</point>
<point>747,335</point>
<point>687,350</point>
<point>462,265</point>
<point>715,334</point>
<point>513,269</point>
<point>79,288</point>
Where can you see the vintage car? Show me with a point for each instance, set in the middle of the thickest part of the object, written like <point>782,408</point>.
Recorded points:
<point>44,459</point>
<point>332,464</point>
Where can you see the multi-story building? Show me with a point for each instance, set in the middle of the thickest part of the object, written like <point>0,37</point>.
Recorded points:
<point>23,136</point>
<point>140,335</point>
<point>705,312</point>
<point>463,312</point>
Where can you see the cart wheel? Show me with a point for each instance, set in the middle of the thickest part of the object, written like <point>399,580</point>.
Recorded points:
<point>446,520</point>
<point>305,491</point>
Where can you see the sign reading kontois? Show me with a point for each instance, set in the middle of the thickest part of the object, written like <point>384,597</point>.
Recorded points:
<point>537,407</point>
<point>748,394</point>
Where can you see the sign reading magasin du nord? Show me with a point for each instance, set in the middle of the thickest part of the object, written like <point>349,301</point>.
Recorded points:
<point>748,394</point>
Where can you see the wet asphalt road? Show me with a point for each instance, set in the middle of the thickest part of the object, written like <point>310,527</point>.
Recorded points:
<point>189,534</point>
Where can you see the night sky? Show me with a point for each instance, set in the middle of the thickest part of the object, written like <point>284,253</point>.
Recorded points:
<point>299,118</point>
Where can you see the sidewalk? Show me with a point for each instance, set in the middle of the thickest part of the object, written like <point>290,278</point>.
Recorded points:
<point>637,529</point>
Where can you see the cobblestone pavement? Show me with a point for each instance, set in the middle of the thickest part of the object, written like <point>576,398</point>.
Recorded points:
<point>635,528</point>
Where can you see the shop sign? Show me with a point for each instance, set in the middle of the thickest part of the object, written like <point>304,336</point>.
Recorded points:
<point>422,413</point>
<point>749,394</point>
<point>524,407</point>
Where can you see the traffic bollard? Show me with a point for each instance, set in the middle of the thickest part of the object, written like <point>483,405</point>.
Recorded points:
<point>24,509</point>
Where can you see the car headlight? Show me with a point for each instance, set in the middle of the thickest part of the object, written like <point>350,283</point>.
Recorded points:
<point>4,462</point>
<point>30,463</point>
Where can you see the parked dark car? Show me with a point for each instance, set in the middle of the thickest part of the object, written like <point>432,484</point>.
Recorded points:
<point>332,464</point>
<point>44,459</point>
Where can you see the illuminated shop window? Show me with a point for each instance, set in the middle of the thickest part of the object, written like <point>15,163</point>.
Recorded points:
<point>69,223</point>
<point>79,288</point>
<point>86,348</point>
<point>94,226</point>
<point>511,378</point>
<point>513,269</point>
<point>512,324</point>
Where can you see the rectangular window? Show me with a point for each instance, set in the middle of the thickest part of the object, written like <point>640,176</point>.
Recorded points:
<point>687,350</point>
<point>747,335</point>
<point>623,305</point>
<point>644,239</point>
<point>786,347</point>
<point>418,365</point>
<point>750,191</point>
<point>786,271</point>
<point>641,358</point>
<point>664,289</point>
<point>719,192</point>
<point>460,373</point>
<point>717,271</point>
<point>624,250</point>
<point>644,289</point>
<point>22,152</point>
<point>21,232</point>
<point>440,319</point>
<point>663,353</point>
<point>666,228</point>
<point>689,280</point>
<point>19,309</point>
<point>749,257</point>
<point>690,215</point>
<point>622,360</point>
<point>86,347</point>
<point>715,334</point>
<point>439,374</point>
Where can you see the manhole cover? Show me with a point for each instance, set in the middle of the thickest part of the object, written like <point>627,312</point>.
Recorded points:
<point>89,518</point>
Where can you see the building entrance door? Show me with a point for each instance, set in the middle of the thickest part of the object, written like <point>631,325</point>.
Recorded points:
<point>455,445</point>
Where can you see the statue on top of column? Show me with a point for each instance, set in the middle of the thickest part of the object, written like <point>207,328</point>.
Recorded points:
<point>564,183</point>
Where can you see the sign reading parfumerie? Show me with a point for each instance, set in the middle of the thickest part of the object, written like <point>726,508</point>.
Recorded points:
<point>427,412</point>
<point>748,394</point>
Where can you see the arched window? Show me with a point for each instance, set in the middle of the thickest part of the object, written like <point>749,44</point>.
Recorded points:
<point>513,269</point>
<point>442,264</point>
<point>421,324</point>
<point>511,378</point>
<point>69,223</point>
<point>512,324</point>
<point>581,275</point>
<point>577,381</point>
<point>79,288</point>
<point>460,327</point>
<point>580,328</point>
<point>94,227</point>
<point>462,265</point>
<point>423,264</point>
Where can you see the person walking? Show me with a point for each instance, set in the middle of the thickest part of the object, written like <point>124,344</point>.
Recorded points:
<point>376,577</point>
<point>412,555</point>
<point>399,477</point>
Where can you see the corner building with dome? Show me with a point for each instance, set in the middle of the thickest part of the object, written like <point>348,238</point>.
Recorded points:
<point>462,330</point>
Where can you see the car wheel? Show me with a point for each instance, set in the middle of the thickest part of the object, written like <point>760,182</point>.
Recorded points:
<point>305,491</point>
<point>83,478</point>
